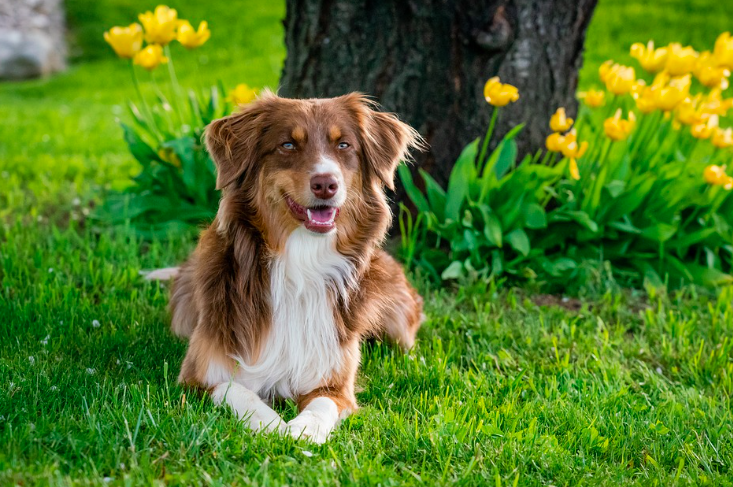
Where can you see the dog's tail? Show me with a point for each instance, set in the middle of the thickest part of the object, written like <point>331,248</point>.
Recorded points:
<point>165,274</point>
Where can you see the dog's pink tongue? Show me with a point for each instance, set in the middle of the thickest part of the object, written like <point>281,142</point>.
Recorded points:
<point>322,215</point>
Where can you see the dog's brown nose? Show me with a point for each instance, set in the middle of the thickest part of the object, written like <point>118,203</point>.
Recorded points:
<point>324,186</point>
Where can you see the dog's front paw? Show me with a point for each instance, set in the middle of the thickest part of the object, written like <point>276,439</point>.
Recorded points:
<point>309,426</point>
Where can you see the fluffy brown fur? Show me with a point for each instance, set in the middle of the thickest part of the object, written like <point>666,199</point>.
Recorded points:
<point>221,298</point>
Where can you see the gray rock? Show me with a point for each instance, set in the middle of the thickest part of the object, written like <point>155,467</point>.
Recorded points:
<point>32,38</point>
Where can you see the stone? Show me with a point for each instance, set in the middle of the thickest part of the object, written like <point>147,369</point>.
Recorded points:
<point>32,38</point>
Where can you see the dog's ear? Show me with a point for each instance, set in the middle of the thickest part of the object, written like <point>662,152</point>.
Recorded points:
<point>385,139</point>
<point>232,141</point>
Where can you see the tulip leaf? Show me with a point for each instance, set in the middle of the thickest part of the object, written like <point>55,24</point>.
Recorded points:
<point>412,191</point>
<point>534,216</point>
<point>463,173</point>
<point>436,195</point>
<point>519,241</point>
<point>453,271</point>
<point>660,232</point>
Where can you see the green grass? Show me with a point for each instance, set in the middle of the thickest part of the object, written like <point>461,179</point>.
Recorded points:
<point>633,388</point>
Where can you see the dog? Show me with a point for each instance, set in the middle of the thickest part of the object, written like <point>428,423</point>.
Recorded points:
<point>290,277</point>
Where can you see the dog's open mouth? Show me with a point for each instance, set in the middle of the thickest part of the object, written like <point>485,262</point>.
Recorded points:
<point>319,219</point>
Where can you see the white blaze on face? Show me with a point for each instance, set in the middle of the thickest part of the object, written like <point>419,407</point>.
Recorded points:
<point>326,165</point>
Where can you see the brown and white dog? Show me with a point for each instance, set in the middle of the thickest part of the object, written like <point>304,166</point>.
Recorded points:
<point>290,277</point>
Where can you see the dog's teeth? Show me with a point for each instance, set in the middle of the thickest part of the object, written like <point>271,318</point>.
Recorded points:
<point>310,216</point>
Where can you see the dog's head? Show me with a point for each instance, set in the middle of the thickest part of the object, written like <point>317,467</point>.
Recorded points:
<point>319,163</point>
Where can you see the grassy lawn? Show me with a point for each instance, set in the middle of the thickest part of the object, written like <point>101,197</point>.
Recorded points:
<point>621,388</point>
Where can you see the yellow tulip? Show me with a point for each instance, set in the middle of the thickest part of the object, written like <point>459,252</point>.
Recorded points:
<point>126,41</point>
<point>723,50</point>
<point>593,98</point>
<point>710,73</point>
<point>559,122</point>
<point>680,60</point>
<point>714,104</point>
<point>651,59</point>
<point>688,113</point>
<point>573,150</point>
<point>617,128</point>
<point>668,93</point>
<point>705,130</point>
<point>620,79</point>
<point>242,94</point>
<point>716,175</point>
<point>160,25</point>
<point>604,69</point>
<point>190,38</point>
<point>645,100</point>
<point>555,142</point>
<point>499,94</point>
<point>150,57</point>
<point>574,172</point>
<point>722,138</point>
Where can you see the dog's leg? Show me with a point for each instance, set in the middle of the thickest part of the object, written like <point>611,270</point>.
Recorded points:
<point>323,408</point>
<point>164,274</point>
<point>401,305</point>
<point>317,420</point>
<point>248,406</point>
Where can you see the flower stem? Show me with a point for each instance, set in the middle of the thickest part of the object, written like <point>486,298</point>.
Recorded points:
<point>146,108</point>
<point>177,92</point>
<point>487,138</point>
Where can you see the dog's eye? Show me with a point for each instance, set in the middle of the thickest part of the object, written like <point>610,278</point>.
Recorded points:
<point>344,145</point>
<point>288,146</point>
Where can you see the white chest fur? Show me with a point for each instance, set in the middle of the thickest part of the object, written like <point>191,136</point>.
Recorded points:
<point>302,348</point>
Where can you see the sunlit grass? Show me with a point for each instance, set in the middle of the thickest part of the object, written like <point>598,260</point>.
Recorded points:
<point>634,388</point>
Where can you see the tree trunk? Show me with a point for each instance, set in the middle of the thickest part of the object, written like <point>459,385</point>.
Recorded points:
<point>428,60</point>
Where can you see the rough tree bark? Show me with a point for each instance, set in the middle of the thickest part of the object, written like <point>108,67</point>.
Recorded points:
<point>427,60</point>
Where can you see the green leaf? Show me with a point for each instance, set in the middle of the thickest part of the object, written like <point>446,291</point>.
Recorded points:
<point>661,232</point>
<point>691,238</point>
<point>492,230</point>
<point>708,277</point>
<point>139,149</point>
<point>627,202</point>
<point>461,177</point>
<point>519,241</point>
<point>507,158</point>
<point>436,195</point>
<point>579,217</point>
<point>534,216</point>
<point>453,271</point>
<point>412,191</point>
<point>615,188</point>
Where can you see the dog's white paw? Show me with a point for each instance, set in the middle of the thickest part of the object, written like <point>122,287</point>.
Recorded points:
<point>165,274</point>
<point>248,406</point>
<point>309,426</point>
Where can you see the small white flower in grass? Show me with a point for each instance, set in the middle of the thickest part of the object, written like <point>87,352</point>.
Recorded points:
<point>76,202</point>
<point>39,218</point>
<point>85,211</point>
<point>96,324</point>
<point>45,340</point>
<point>2,418</point>
<point>91,371</point>
<point>32,427</point>
<point>659,370</point>
<point>307,453</point>
<point>107,480</point>
<point>54,388</point>
<point>32,360</point>
<point>50,270</point>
